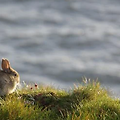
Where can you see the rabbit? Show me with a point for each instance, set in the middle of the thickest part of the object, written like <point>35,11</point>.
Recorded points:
<point>9,78</point>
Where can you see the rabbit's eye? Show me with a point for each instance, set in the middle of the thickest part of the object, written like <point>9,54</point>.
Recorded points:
<point>15,74</point>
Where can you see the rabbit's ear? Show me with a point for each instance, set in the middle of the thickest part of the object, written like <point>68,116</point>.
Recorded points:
<point>5,64</point>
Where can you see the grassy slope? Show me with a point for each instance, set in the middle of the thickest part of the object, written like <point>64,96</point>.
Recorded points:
<point>88,102</point>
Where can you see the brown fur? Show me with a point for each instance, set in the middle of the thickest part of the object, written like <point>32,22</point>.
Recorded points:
<point>9,78</point>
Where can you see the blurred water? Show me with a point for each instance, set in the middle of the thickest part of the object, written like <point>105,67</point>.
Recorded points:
<point>59,41</point>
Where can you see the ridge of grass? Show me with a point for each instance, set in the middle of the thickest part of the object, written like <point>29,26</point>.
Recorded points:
<point>85,102</point>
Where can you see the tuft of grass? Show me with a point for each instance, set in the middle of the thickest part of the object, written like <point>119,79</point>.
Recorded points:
<point>85,102</point>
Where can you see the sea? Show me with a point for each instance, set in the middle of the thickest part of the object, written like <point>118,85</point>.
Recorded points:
<point>60,42</point>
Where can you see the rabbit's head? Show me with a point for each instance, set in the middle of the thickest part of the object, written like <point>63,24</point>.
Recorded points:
<point>6,68</point>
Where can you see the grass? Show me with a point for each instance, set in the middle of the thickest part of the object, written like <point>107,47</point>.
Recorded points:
<point>85,102</point>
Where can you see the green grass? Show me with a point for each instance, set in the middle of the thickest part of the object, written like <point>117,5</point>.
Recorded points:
<point>85,102</point>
